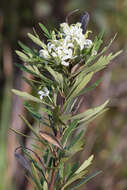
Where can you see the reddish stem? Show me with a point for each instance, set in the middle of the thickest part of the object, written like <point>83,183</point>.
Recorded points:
<point>53,180</point>
<point>54,172</point>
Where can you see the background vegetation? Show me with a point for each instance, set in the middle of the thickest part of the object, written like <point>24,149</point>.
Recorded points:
<point>107,135</point>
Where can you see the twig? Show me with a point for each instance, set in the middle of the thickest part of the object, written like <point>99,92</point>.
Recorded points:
<point>52,180</point>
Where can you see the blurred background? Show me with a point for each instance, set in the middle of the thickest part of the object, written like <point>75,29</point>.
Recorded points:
<point>106,137</point>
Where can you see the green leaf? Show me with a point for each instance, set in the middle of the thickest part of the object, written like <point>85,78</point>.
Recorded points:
<point>97,45</point>
<point>36,177</point>
<point>32,111</point>
<point>81,83</point>
<point>38,167</point>
<point>26,96</point>
<point>68,170</point>
<point>68,131</point>
<point>74,167</point>
<point>45,185</point>
<point>73,179</point>
<point>36,41</point>
<point>75,91</point>
<point>83,181</point>
<point>102,62</point>
<point>89,113</point>
<point>76,143</point>
<point>25,48</point>
<point>61,170</point>
<point>57,76</point>
<point>98,40</point>
<point>22,56</point>
<point>23,68</point>
<point>37,115</point>
<point>85,164</point>
<point>35,70</point>
<point>21,134</point>
<point>85,123</point>
<point>44,29</point>
<point>65,117</point>
<point>46,110</point>
<point>30,126</point>
<point>109,44</point>
<point>94,85</point>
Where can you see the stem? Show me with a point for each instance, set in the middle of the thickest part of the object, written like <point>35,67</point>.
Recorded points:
<point>52,180</point>
<point>54,172</point>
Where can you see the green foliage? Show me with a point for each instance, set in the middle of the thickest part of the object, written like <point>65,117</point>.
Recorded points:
<point>85,116</point>
<point>59,81</point>
<point>26,96</point>
<point>44,29</point>
<point>36,40</point>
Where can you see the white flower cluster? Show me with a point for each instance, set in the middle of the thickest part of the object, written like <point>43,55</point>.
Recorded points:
<point>74,33</point>
<point>43,92</point>
<point>62,47</point>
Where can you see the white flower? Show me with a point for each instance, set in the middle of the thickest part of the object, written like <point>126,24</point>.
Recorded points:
<point>44,54</point>
<point>64,54</point>
<point>80,41</point>
<point>67,54</point>
<point>54,54</point>
<point>63,46</point>
<point>88,43</point>
<point>65,63</point>
<point>43,92</point>
<point>66,28</point>
<point>73,30</point>
<point>74,33</point>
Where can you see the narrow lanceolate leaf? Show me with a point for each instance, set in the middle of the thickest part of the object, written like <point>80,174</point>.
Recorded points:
<point>97,45</point>
<point>74,178</point>
<point>22,56</point>
<point>36,177</point>
<point>50,138</point>
<point>89,113</point>
<point>78,88</point>
<point>57,76</point>
<point>45,185</point>
<point>84,125</point>
<point>21,134</point>
<point>30,126</point>
<point>80,83</point>
<point>44,29</point>
<point>85,164</point>
<point>94,85</point>
<point>83,181</point>
<point>101,63</point>
<point>25,48</point>
<point>61,170</point>
<point>35,71</point>
<point>26,96</point>
<point>36,40</point>
<point>32,111</point>
<point>76,143</point>
<point>68,131</point>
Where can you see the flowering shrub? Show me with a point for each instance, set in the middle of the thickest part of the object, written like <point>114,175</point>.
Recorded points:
<point>61,69</point>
